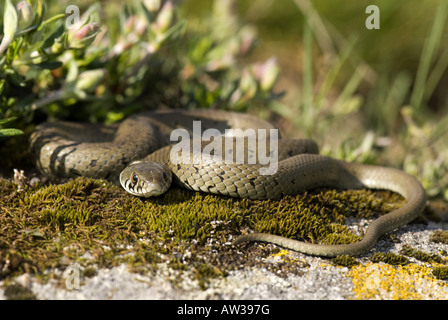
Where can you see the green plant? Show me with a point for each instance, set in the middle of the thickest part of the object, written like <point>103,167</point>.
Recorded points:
<point>117,59</point>
<point>8,132</point>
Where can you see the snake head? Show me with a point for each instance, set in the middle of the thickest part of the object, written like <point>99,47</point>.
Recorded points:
<point>146,179</point>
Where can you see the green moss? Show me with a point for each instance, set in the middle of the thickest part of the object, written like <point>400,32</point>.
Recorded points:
<point>440,236</point>
<point>49,227</point>
<point>440,273</point>
<point>90,272</point>
<point>204,272</point>
<point>16,291</point>
<point>320,217</point>
<point>345,261</point>
<point>420,255</point>
<point>390,258</point>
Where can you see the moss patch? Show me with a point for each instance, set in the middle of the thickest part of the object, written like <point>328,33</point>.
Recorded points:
<point>16,291</point>
<point>440,236</point>
<point>440,272</point>
<point>320,217</point>
<point>390,258</point>
<point>345,261</point>
<point>420,255</point>
<point>94,223</point>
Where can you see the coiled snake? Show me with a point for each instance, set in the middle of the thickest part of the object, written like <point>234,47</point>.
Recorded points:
<point>71,149</point>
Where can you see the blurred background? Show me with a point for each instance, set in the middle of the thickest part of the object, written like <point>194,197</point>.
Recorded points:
<point>311,66</point>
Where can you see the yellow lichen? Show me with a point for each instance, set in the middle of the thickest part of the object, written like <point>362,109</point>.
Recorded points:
<point>408,282</point>
<point>280,254</point>
<point>285,256</point>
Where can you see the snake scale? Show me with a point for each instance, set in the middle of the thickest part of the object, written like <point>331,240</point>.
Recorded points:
<point>137,154</point>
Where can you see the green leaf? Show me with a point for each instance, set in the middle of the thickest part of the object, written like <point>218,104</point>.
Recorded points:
<point>10,132</point>
<point>10,19</point>
<point>2,87</point>
<point>51,65</point>
<point>39,12</point>
<point>177,29</point>
<point>3,121</point>
<point>9,25</point>
<point>51,39</point>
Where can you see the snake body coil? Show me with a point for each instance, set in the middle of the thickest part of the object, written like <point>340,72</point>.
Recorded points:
<point>98,151</point>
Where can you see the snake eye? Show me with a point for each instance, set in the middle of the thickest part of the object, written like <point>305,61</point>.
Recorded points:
<point>165,177</point>
<point>134,177</point>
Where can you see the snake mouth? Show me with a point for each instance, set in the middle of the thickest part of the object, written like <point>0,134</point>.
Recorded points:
<point>142,189</point>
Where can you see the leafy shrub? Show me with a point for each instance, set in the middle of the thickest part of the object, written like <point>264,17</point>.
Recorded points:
<point>105,62</point>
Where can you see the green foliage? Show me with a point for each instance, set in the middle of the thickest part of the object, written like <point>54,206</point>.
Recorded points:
<point>9,132</point>
<point>117,59</point>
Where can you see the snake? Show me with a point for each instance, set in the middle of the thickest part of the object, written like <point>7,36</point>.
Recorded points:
<point>138,154</point>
